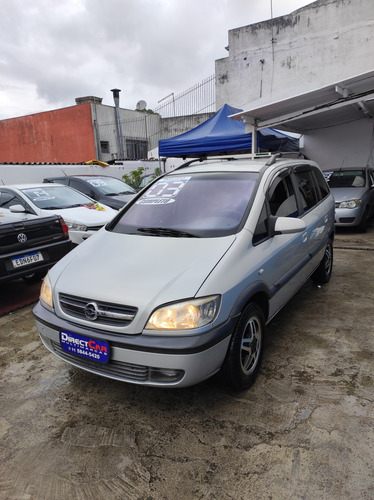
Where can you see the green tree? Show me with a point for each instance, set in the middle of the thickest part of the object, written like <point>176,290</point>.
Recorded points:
<point>134,178</point>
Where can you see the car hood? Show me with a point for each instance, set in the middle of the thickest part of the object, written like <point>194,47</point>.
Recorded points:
<point>138,271</point>
<point>84,215</point>
<point>345,194</point>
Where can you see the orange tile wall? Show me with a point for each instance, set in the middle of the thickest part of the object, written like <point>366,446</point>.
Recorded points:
<point>59,136</point>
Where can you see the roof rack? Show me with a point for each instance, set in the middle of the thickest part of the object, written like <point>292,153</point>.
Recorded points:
<point>204,158</point>
<point>274,157</point>
<point>224,158</point>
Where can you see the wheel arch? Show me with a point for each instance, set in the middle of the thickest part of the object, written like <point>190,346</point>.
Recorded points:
<point>258,294</point>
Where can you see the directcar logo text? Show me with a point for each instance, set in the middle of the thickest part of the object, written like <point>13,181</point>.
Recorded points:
<point>84,344</point>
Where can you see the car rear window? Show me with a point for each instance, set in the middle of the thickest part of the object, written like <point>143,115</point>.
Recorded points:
<point>201,204</point>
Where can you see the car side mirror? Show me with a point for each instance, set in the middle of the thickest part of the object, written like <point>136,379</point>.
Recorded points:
<point>17,209</point>
<point>288,225</point>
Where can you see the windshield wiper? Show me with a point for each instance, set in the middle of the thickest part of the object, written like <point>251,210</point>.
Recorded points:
<point>165,231</point>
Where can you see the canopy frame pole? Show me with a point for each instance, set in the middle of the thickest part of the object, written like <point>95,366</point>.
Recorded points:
<point>251,128</point>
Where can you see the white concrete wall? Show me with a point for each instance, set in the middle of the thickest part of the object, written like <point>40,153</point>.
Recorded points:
<point>17,174</point>
<point>322,43</point>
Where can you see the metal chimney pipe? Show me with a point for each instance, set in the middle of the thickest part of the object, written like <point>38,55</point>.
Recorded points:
<point>119,126</point>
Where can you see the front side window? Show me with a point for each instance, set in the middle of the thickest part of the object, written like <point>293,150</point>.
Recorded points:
<point>281,201</point>
<point>8,199</point>
<point>282,198</point>
<point>371,178</point>
<point>201,204</point>
<point>321,181</point>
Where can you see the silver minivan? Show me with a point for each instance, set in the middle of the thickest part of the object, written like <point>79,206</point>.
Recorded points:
<point>181,283</point>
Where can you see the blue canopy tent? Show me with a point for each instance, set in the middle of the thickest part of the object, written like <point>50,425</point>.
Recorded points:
<point>221,135</point>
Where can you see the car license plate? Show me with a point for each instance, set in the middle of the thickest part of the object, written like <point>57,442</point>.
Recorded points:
<point>96,350</point>
<point>25,260</point>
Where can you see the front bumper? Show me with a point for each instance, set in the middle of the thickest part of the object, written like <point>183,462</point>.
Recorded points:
<point>153,360</point>
<point>348,216</point>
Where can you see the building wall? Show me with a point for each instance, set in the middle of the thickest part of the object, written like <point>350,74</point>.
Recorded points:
<point>136,126</point>
<point>63,135</point>
<point>322,43</point>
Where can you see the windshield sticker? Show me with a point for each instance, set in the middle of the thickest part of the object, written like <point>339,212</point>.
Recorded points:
<point>163,191</point>
<point>38,194</point>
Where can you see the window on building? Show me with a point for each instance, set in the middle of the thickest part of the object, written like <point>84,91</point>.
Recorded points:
<point>136,149</point>
<point>104,146</point>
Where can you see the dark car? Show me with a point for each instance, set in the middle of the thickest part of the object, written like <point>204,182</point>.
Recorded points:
<point>108,190</point>
<point>29,247</point>
<point>353,190</point>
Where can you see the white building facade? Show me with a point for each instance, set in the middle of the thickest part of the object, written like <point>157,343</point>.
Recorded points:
<point>317,45</point>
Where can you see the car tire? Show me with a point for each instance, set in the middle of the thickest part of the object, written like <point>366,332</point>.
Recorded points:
<point>362,227</point>
<point>244,355</point>
<point>34,277</point>
<point>323,272</point>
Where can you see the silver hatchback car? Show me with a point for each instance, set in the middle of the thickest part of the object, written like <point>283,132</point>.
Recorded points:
<point>353,190</point>
<point>181,283</point>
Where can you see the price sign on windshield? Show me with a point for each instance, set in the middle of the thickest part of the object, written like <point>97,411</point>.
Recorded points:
<point>164,191</point>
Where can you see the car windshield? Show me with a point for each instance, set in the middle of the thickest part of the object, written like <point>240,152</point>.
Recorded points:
<point>110,185</point>
<point>201,204</point>
<point>55,197</point>
<point>347,178</point>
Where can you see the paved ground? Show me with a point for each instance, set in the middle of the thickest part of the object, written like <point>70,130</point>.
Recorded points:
<point>304,431</point>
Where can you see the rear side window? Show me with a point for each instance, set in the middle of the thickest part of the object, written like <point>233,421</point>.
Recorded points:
<point>306,189</point>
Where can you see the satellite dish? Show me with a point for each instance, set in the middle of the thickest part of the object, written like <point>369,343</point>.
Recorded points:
<point>141,105</point>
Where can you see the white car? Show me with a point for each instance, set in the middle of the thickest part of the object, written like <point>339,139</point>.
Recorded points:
<point>180,284</point>
<point>83,215</point>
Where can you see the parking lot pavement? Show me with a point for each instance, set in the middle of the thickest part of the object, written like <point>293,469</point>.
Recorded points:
<point>303,431</point>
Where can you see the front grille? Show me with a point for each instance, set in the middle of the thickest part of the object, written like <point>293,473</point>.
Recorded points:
<point>119,369</point>
<point>102,313</point>
<point>94,228</point>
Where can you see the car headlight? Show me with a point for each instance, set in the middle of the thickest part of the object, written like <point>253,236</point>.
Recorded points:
<point>46,292</point>
<point>74,226</point>
<point>185,315</point>
<point>350,204</point>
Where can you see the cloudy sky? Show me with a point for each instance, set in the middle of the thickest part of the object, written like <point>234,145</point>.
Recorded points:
<point>52,51</point>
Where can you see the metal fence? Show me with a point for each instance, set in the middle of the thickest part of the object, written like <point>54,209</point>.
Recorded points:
<point>177,114</point>
<point>201,98</point>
